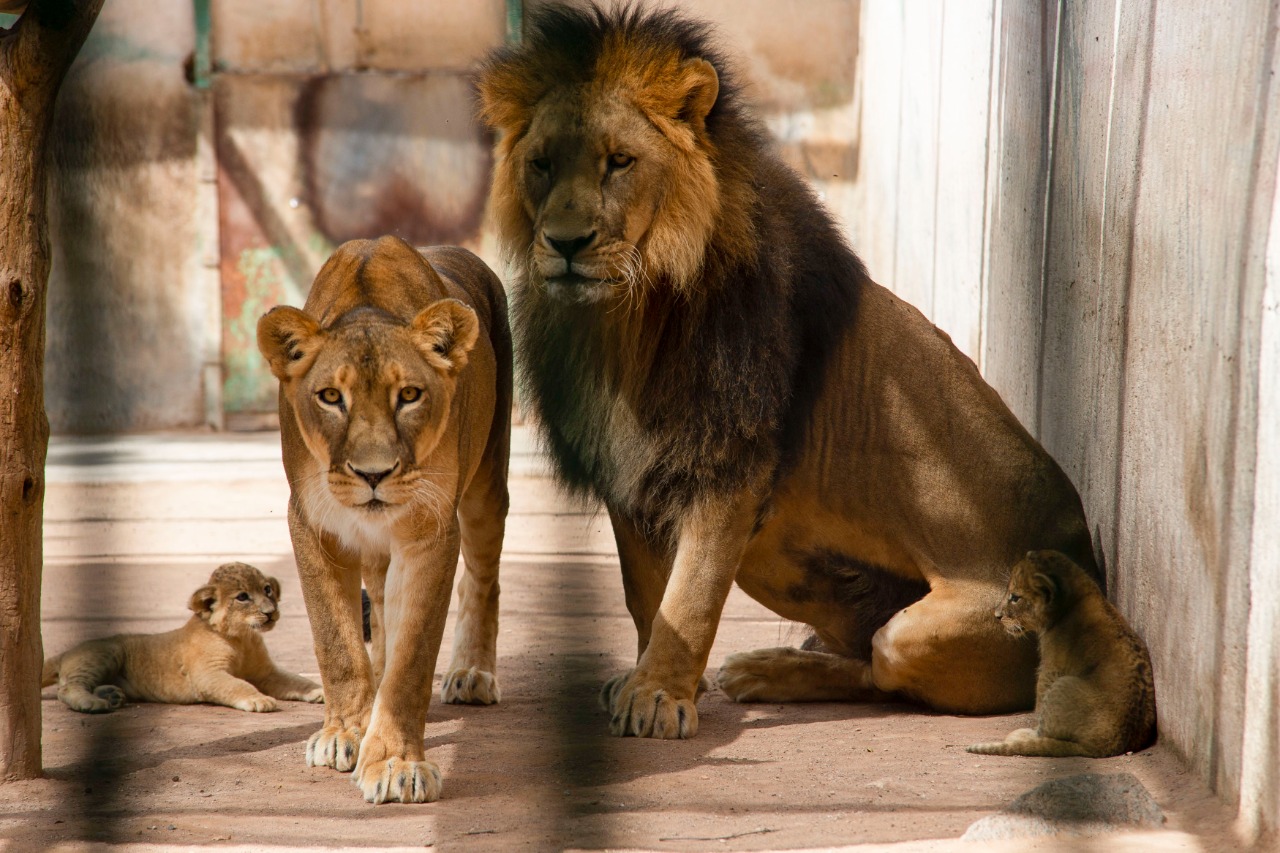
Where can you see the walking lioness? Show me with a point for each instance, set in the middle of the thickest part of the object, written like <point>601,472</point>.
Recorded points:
<point>395,408</point>
<point>705,355</point>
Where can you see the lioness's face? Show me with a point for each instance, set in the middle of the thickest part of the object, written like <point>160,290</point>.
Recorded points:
<point>371,395</point>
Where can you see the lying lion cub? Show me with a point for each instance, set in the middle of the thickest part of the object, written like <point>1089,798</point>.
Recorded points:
<point>395,422</point>
<point>1094,692</point>
<point>217,657</point>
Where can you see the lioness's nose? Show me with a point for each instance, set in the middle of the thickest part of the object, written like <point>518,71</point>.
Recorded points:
<point>568,248</point>
<point>373,478</point>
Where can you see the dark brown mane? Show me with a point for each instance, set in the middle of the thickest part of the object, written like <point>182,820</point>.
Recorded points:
<point>721,381</point>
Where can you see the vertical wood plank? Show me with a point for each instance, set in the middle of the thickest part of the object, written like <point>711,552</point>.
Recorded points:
<point>880,85</point>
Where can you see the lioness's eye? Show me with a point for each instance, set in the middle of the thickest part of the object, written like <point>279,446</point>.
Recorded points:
<point>540,164</point>
<point>620,161</point>
<point>244,596</point>
<point>410,394</point>
<point>330,396</point>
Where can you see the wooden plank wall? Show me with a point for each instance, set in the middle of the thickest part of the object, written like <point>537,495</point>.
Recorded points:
<point>1083,195</point>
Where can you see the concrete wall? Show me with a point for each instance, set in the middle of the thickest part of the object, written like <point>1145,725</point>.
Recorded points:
<point>1085,196</point>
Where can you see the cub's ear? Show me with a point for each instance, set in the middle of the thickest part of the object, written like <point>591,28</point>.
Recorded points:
<point>1046,585</point>
<point>289,340</point>
<point>275,589</point>
<point>203,599</point>
<point>445,331</point>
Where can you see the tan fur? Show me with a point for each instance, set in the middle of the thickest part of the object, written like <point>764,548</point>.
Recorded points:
<point>712,362</point>
<point>1094,693</point>
<point>395,397</point>
<point>217,657</point>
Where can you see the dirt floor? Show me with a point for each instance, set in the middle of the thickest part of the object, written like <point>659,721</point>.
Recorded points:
<point>133,525</point>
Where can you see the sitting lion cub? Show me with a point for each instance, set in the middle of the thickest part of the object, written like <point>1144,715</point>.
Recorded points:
<point>395,425</point>
<point>217,657</point>
<point>1094,692</point>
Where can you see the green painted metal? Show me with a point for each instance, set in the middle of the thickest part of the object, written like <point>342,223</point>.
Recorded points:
<point>515,21</point>
<point>203,72</point>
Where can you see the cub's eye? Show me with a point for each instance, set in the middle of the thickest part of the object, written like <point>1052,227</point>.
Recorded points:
<point>244,596</point>
<point>541,165</point>
<point>1014,598</point>
<point>618,162</point>
<point>409,394</point>
<point>330,396</point>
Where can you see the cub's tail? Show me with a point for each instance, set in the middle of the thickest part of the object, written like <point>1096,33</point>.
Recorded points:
<point>49,675</point>
<point>1038,746</point>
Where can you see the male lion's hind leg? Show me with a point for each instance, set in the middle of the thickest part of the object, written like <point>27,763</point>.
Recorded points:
<point>948,651</point>
<point>796,675</point>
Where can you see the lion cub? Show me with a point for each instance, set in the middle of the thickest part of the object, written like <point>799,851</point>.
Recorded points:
<point>1094,692</point>
<point>217,657</point>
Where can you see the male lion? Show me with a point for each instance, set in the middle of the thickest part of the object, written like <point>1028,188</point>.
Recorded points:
<point>705,354</point>
<point>395,421</point>
<point>217,657</point>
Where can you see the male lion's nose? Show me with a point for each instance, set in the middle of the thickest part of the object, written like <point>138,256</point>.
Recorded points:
<point>373,478</point>
<point>568,248</point>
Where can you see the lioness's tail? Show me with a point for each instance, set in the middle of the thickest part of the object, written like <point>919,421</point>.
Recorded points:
<point>49,675</point>
<point>1038,746</point>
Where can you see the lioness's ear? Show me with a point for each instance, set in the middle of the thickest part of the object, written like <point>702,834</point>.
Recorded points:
<point>203,599</point>
<point>446,331</point>
<point>288,340</point>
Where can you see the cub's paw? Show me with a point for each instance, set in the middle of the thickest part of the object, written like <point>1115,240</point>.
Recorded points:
<point>259,704</point>
<point>642,708</point>
<point>397,780</point>
<point>315,695</point>
<point>109,693</point>
<point>472,686</point>
<point>104,699</point>
<point>336,747</point>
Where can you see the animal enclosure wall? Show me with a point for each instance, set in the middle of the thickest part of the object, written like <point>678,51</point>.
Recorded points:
<point>1084,196</point>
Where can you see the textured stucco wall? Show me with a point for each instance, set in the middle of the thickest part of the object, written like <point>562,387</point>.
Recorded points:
<point>1117,276</point>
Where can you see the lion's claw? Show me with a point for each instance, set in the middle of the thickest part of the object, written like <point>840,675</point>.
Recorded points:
<point>641,709</point>
<point>334,747</point>
<point>470,686</point>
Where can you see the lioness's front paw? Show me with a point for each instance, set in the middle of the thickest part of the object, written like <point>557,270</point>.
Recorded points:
<point>336,747</point>
<point>641,708</point>
<point>259,704</point>
<point>472,686</point>
<point>398,780</point>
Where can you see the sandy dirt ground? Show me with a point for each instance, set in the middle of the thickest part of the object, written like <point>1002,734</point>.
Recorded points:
<point>134,524</point>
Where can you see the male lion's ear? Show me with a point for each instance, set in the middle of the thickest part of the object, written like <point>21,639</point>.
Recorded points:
<point>445,331</point>
<point>679,105</point>
<point>287,338</point>
<point>701,88</point>
<point>203,599</point>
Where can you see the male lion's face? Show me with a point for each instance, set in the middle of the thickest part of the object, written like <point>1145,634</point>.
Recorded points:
<point>609,185</point>
<point>372,396</point>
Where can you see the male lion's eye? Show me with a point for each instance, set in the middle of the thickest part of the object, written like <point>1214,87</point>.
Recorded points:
<point>618,162</point>
<point>540,164</point>
<point>410,394</point>
<point>1014,598</point>
<point>244,596</point>
<point>330,396</point>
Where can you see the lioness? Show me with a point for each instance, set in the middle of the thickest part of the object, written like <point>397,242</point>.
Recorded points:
<point>1094,692</point>
<point>218,656</point>
<point>705,354</point>
<point>395,421</point>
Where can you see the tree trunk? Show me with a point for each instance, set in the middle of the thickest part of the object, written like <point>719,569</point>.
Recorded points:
<point>34,56</point>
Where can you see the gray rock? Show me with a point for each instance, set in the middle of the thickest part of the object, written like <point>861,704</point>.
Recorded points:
<point>1088,804</point>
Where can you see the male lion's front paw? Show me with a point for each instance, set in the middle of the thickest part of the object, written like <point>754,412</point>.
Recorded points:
<point>336,747</point>
<point>471,686</point>
<point>641,708</point>
<point>259,704</point>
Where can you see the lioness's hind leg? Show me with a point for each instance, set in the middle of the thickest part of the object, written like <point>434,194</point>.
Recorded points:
<point>796,675</point>
<point>471,678</point>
